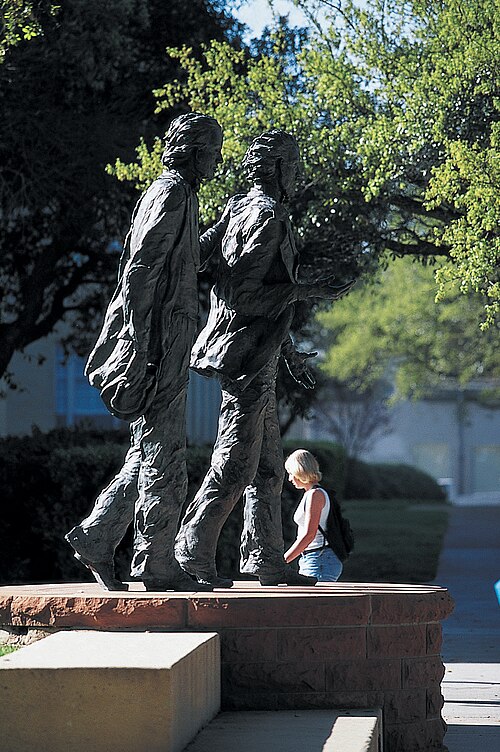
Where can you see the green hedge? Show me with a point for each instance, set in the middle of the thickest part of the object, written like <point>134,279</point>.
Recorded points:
<point>49,483</point>
<point>386,481</point>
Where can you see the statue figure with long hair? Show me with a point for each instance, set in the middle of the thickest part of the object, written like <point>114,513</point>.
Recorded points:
<point>140,365</point>
<point>251,311</point>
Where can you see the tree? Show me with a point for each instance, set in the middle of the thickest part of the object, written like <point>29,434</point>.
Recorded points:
<point>355,418</point>
<point>394,330</point>
<point>249,93</point>
<point>378,115</point>
<point>400,147</point>
<point>21,20</point>
<point>429,141</point>
<point>71,100</point>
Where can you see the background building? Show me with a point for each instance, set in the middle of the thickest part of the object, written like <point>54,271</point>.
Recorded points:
<point>453,434</point>
<point>56,393</point>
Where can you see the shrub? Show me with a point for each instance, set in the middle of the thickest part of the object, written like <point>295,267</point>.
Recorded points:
<point>50,481</point>
<point>387,481</point>
<point>361,480</point>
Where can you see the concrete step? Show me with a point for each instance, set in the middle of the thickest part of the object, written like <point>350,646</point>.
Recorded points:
<point>292,731</point>
<point>89,691</point>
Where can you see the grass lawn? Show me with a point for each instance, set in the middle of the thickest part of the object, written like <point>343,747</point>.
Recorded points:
<point>395,541</point>
<point>4,649</point>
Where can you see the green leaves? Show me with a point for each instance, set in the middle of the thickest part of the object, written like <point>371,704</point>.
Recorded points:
<point>396,110</point>
<point>394,329</point>
<point>72,100</point>
<point>22,20</point>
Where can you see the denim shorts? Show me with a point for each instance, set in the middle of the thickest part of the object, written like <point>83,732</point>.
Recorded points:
<point>322,564</point>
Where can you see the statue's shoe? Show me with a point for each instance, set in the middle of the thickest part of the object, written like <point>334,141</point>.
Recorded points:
<point>103,571</point>
<point>215,581</point>
<point>287,577</point>
<point>206,575</point>
<point>181,583</point>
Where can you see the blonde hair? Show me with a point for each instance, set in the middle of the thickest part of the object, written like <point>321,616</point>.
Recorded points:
<point>304,466</point>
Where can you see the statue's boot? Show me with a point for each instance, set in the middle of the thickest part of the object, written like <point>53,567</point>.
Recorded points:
<point>215,580</point>
<point>212,578</point>
<point>180,582</point>
<point>206,575</point>
<point>286,576</point>
<point>103,571</point>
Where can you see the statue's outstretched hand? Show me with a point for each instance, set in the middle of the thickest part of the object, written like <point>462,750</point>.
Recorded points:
<point>296,362</point>
<point>332,292</point>
<point>325,279</point>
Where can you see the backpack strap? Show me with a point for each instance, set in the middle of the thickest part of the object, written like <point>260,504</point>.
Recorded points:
<point>325,542</point>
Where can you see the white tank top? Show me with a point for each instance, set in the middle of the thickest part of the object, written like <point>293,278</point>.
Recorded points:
<point>300,517</point>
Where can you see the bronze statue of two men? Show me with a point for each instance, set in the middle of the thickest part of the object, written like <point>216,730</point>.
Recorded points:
<point>141,360</point>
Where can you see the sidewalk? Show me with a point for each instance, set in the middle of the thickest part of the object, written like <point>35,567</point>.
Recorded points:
<point>469,567</point>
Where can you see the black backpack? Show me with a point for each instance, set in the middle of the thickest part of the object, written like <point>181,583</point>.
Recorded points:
<point>338,534</point>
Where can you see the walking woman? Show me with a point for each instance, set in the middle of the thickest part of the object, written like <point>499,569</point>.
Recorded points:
<point>316,558</point>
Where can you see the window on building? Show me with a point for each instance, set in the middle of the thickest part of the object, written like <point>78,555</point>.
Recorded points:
<point>486,468</point>
<point>76,400</point>
<point>433,458</point>
<point>203,403</point>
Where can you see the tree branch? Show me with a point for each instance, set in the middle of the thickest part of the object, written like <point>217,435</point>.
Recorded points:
<point>416,206</point>
<point>422,248</point>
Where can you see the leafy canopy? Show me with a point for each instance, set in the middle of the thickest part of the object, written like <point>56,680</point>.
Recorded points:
<point>71,99</point>
<point>251,93</point>
<point>22,20</point>
<point>393,328</point>
<point>430,143</point>
<point>395,106</point>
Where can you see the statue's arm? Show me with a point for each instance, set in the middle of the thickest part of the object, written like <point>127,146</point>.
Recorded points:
<point>252,293</point>
<point>296,363</point>
<point>153,236</point>
<point>211,239</point>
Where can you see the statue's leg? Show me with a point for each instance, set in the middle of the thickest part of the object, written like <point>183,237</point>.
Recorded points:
<point>162,486</point>
<point>233,465</point>
<point>163,474</point>
<point>95,539</point>
<point>262,546</point>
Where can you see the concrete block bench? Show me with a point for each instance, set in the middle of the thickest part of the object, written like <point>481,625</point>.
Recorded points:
<point>90,691</point>
<point>292,731</point>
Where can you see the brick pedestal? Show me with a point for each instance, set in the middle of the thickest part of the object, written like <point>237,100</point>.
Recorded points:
<point>345,645</point>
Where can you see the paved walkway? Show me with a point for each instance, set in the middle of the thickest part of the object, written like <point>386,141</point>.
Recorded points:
<point>469,567</point>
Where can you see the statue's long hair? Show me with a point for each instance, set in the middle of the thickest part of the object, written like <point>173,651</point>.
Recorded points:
<point>185,134</point>
<point>265,151</point>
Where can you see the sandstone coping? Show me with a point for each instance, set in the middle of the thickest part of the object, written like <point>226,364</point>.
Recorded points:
<point>341,645</point>
<point>87,605</point>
